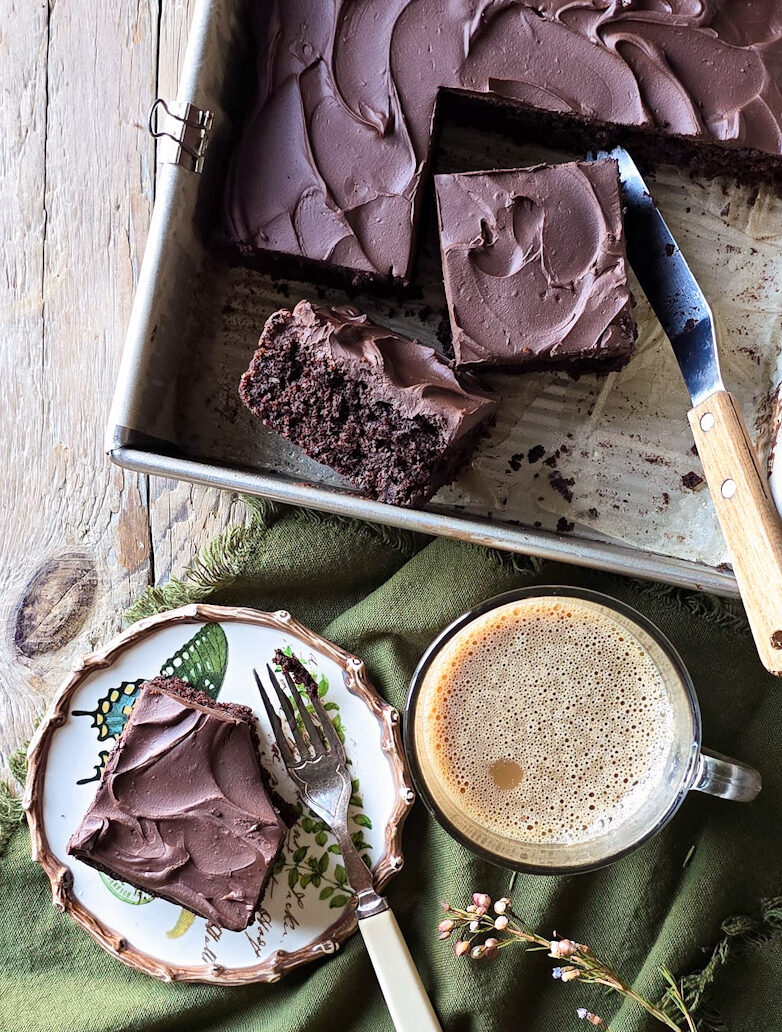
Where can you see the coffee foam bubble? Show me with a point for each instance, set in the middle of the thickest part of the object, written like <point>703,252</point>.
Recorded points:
<point>547,721</point>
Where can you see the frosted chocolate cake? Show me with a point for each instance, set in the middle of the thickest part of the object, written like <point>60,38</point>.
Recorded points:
<point>336,146</point>
<point>534,267</point>
<point>386,412</point>
<point>181,811</point>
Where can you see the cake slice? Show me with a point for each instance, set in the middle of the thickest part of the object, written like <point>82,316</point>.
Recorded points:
<point>181,810</point>
<point>386,412</point>
<point>535,269</point>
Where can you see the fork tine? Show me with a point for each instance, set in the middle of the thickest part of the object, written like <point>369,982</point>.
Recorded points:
<point>316,739</point>
<point>290,716</point>
<point>274,720</point>
<point>333,739</point>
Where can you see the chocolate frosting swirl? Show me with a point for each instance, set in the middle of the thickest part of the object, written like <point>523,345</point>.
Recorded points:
<point>181,809</point>
<point>330,163</point>
<point>534,263</point>
<point>413,377</point>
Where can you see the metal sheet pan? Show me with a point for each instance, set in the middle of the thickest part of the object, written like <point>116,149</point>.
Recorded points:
<point>621,443</point>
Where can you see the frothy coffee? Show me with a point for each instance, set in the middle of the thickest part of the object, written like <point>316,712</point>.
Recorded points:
<point>546,720</point>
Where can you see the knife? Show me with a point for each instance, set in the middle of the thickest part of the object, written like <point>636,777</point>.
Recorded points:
<point>748,516</point>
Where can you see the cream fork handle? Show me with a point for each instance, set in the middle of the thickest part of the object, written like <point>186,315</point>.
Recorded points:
<point>399,980</point>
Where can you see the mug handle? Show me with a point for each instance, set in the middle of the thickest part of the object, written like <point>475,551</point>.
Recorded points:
<point>721,776</point>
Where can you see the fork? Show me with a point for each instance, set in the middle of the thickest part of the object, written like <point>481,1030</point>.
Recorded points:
<point>315,759</point>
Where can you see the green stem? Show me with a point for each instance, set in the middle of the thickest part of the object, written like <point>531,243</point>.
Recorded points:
<point>330,881</point>
<point>621,987</point>
<point>595,970</point>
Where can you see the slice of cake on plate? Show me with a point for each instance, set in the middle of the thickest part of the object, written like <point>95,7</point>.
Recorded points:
<point>385,411</point>
<point>182,811</point>
<point>535,269</point>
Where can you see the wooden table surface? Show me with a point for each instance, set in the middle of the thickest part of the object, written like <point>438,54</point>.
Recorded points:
<point>79,538</point>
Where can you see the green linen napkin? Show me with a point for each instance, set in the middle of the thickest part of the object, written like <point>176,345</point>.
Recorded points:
<point>699,898</point>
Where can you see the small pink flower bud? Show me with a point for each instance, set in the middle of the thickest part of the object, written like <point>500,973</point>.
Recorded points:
<point>491,947</point>
<point>480,911</point>
<point>461,947</point>
<point>445,926</point>
<point>444,935</point>
<point>474,926</point>
<point>586,1015</point>
<point>501,905</point>
<point>480,899</point>
<point>501,923</point>
<point>563,948</point>
<point>471,909</point>
<point>477,952</point>
<point>445,906</point>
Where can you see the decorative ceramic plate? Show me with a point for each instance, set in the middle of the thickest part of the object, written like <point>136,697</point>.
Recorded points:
<point>308,909</point>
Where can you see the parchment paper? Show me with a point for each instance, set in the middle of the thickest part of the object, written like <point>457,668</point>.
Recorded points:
<point>601,457</point>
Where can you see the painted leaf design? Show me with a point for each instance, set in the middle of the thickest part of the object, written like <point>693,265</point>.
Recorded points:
<point>127,893</point>
<point>202,661</point>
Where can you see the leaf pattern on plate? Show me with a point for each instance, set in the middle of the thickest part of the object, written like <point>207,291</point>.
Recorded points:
<point>201,661</point>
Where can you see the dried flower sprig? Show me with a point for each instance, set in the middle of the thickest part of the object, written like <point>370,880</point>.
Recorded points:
<point>482,931</point>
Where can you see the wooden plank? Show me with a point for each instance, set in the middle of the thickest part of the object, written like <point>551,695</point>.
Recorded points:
<point>76,80</point>
<point>182,516</point>
<point>175,18</point>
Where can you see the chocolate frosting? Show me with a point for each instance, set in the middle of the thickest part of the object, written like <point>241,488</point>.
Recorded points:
<point>181,810</point>
<point>330,163</point>
<point>413,377</point>
<point>534,264</point>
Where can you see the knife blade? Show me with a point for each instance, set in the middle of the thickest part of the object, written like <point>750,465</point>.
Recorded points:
<point>746,510</point>
<point>669,285</point>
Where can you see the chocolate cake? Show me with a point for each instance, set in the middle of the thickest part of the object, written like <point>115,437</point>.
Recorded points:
<point>337,143</point>
<point>181,811</point>
<point>534,266</point>
<point>386,412</point>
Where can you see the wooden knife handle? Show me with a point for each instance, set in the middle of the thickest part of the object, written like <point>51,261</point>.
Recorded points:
<point>748,516</point>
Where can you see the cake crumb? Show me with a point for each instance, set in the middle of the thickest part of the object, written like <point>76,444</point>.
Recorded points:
<point>562,484</point>
<point>691,480</point>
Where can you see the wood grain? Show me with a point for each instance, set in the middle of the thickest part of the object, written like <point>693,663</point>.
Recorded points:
<point>748,517</point>
<point>77,165</point>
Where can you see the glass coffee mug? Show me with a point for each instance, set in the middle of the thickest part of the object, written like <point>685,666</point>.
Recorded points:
<point>553,730</point>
